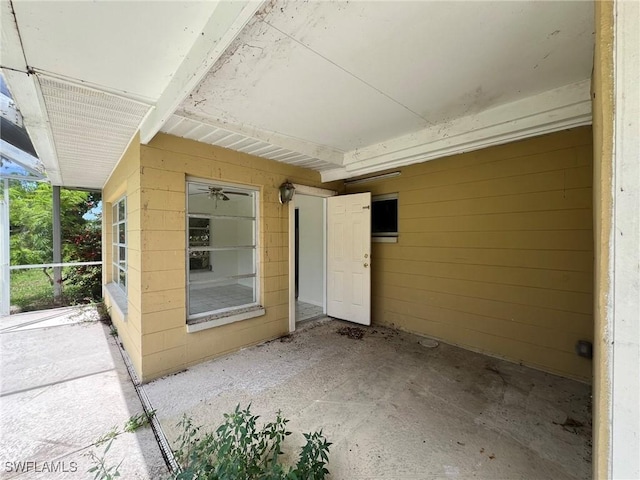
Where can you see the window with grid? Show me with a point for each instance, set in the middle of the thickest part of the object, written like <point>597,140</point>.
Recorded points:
<point>119,243</point>
<point>221,249</point>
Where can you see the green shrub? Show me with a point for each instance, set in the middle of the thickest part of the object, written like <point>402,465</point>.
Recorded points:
<point>240,450</point>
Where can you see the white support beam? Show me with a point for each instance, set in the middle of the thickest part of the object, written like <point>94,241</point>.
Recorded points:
<point>23,159</point>
<point>226,22</point>
<point>558,109</point>
<point>27,94</point>
<point>623,319</point>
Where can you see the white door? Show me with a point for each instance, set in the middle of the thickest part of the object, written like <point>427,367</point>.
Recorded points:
<point>349,257</point>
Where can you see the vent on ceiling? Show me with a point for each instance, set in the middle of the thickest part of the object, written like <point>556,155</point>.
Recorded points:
<point>90,129</point>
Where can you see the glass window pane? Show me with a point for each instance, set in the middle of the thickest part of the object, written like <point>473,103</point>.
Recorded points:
<point>223,278</point>
<point>231,232</point>
<point>121,211</point>
<point>198,232</point>
<point>114,253</point>
<point>123,257</point>
<point>246,261</point>
<point>221,264</point>
<point>199,261</point>
<point>122,236</point>
<point>114,274</point>
<point>123,278</point>
<point>213,266</point>
<point>209,298</point>
<point>208,199</point>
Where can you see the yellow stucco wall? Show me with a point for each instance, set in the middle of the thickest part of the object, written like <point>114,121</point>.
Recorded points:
<point>125,181</point>
<point>165,163</point>
<point>495,251</point>
<point>603,109</point>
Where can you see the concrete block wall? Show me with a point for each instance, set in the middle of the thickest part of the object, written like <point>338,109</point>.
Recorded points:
<point>164,166</point>
<point>125,181</point>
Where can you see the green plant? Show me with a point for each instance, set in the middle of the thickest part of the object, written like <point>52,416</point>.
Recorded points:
<point>100,469</point>
<point>240,450</point>
<point>138,421</point>
<point>110,435</point>
<point>104,313</point>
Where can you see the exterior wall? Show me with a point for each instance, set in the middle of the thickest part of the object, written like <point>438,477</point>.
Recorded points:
<point>495,251</point>
<point>165,163</point>
<point>125,180</point>
<point>602,94</point>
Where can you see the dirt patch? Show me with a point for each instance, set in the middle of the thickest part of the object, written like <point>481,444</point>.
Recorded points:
<point>354,333</point>
<point>570,425</point>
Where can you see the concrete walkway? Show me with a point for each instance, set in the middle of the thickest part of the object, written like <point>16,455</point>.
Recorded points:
<point>395,406</point>
<point>63,384</point>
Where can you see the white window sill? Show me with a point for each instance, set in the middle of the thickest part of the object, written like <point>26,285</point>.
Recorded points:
<point>118,299</point>
<point>216,320</point>
<point>384,239</point>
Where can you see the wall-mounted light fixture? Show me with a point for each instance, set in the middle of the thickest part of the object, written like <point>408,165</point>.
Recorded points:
<point>287,190</point>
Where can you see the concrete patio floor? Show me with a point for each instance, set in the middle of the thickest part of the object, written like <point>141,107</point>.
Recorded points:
<point>393,407</point>
<point>63,384</point>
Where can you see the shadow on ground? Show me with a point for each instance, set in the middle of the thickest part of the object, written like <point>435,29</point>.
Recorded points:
<point>63,384</point>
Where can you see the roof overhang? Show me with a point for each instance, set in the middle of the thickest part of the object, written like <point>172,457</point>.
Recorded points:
<point>344,88</point>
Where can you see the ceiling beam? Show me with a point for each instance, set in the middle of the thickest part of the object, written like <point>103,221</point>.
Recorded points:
<point>225,23</point>
<point>27,94</point>
<point>558,109</point>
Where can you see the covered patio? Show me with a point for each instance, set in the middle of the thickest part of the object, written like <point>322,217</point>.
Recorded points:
<point>505,134</point>
<point>395,405</point>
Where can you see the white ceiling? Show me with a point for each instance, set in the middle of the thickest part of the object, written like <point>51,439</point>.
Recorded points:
<point>119,47</point>
<point>345,88</point>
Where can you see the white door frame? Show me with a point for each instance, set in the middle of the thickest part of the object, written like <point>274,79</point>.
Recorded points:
<point>314,192</point>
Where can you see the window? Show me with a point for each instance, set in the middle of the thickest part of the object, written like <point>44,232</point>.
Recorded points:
<point>222,250</point>
<point>384,218</point>
<point>119,243</point>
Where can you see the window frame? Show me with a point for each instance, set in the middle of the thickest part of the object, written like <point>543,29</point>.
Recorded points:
<point>385,237</point>
<point>222,316</point>
<point>116,245</point>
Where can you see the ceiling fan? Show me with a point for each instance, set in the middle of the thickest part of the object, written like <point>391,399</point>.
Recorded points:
<point>218,193</point>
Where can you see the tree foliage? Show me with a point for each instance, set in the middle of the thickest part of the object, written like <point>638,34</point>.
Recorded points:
<point>31,227</point>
